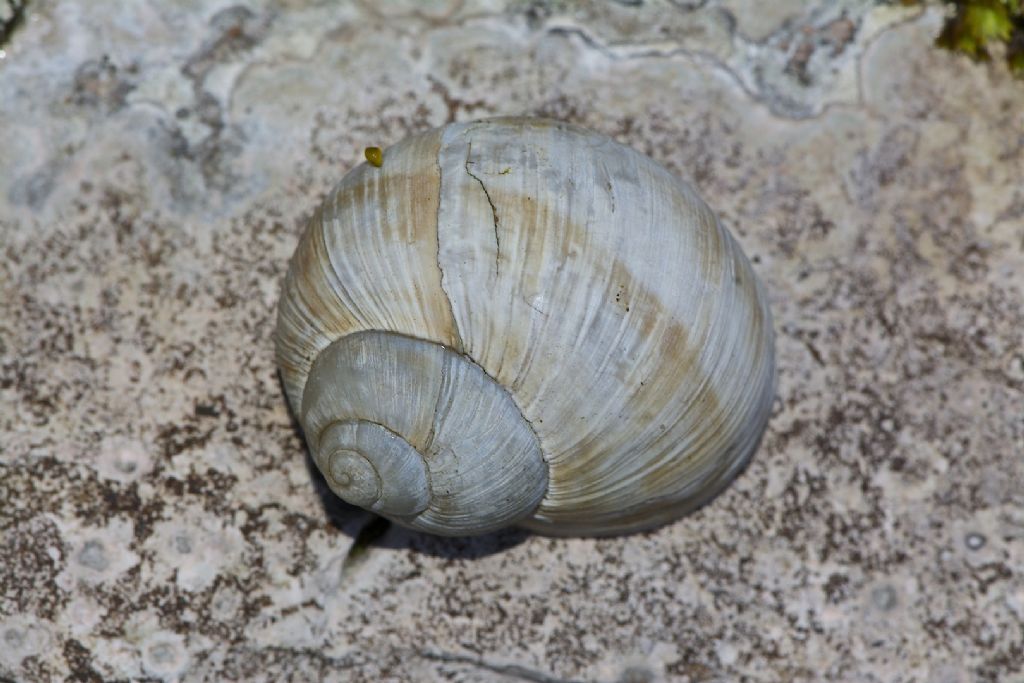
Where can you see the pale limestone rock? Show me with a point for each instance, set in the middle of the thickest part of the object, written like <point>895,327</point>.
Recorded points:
<point>158,163</point>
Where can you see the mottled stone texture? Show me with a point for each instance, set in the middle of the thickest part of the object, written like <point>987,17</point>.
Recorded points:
<point>158,518</point>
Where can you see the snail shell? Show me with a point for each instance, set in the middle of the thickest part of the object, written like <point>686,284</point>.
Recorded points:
<point>517,321</point>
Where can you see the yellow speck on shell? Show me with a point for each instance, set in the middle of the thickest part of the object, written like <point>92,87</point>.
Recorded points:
<point>375,156</point>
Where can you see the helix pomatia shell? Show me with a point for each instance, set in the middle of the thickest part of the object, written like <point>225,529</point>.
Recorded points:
<point>518,321</point>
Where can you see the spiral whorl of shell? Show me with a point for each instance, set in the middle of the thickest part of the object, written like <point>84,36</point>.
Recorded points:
<point>516,320</point>
<point>413,430</point>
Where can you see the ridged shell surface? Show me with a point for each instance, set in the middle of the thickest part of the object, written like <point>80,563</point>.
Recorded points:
<point>627,339</point>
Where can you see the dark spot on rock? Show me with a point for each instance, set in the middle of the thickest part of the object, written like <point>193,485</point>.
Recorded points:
<point>33,190</point>
<point>161,653</point>
<point>636,674</point>
<point>80,662</point>
<point>182,544</point>
<point>234,30</point>
<point>125,466</point>
<point>836,588</point>
<point>98,85</point>
<point>176,438</point>
<point>13,638</point>
<point>884,598</point>
<point>93,556</point>
<point>29,572</point>
<point>206,410</point>
<point>838,34</point>
<point>799,61</point>
<point>208,110</point>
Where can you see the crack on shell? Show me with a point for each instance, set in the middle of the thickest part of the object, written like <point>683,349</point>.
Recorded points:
<point>494,210</point>
<point>459,346</point>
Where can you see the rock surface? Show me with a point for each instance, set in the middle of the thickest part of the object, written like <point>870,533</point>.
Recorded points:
<point>159,520</point>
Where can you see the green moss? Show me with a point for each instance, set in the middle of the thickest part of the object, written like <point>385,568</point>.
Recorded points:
<point>976,26</point>
<point>12,15</point>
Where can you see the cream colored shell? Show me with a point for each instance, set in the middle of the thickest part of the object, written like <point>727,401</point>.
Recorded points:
<point>517,321</point>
